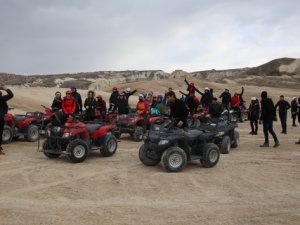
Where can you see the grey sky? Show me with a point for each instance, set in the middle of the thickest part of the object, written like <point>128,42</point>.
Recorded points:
<point>57,36</point>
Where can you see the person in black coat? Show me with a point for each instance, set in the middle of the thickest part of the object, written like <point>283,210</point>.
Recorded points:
<point>3,111</point>
<point>268,115</point>
<point>179,111</point>
<point>90,105</point>
<point>283,108</point>
<point>122,105</point>
<point>253,115</point>
<point>294,109</point>
<point>299,110</point>
<point>215,109</point>
<point>56,104</point>
<point>77,98</point>
<point>113,99</point>
<point>226,98</point>
<point>206,97</point>
<point>128,93</point>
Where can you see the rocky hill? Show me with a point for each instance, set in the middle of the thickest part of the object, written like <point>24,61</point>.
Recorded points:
<point>283,72</point>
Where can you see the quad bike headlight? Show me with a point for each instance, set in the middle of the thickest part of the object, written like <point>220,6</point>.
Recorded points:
<point>66,135</point>
<point>220,134</point>
<point>56,130</point>
<point>163,142</point>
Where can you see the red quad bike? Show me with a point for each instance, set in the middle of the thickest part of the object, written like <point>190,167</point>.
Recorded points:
<point>20,125</point>
<point>77,139</point>
<point>135,125</point>
<point>44,118</point>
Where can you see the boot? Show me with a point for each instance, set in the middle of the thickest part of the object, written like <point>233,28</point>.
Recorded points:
<point>276,144</point>
<point>264,145</point>
<point>1,151</point>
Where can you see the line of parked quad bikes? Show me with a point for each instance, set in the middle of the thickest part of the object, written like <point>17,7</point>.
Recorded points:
<point>204,139</point>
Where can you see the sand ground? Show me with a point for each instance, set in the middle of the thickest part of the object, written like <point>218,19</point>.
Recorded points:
<point>248,186</point>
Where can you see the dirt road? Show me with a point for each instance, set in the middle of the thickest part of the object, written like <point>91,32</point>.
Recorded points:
<point>248,186</point>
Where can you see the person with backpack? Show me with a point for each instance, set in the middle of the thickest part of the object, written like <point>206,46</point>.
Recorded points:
<point>90,105</point>
<point>3,111</point>
<point>268,115</point>
<point>253,115</point>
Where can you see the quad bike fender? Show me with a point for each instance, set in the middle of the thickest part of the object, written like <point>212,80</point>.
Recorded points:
<point>153,119</point>
<point>27,122</point>
<point>102,131</point>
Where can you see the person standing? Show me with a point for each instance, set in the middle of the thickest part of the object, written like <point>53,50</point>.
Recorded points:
<point>299,110</point>
<point>3,111</point>
<point>128,93</point>
<point>226,98</point>
<point>283,108</point>
<point>268,115</point>
<point>77,99</point>
<point>294,109</point>
<point>101,106</point>
<point>113,99</point>
<point>253,115</point>
<point>90,105</point>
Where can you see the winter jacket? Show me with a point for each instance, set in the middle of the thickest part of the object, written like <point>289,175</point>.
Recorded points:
<point>206,99</point>
<point>215,110</point>
<point>114,97</point>
<point>68,105</point>
<point>283,106</point>
<point>235,101</point>
<point>226,97</point>
<point>294,106</point>
<point>78,100</point>
<point>179,111</point>
<point>90,104</point>
<point>101,105</point>
<point>128,94</point>
<point>142,107</point>
<point>3,103</point>
<point>122,106</point>
<point>268,111</point>
<point>253,113</point>
<point>56,104</point>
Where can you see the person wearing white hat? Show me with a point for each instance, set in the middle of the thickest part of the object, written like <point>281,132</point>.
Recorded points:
<point>294,109</point>
<point>253,115</point>
<point>128,93</point>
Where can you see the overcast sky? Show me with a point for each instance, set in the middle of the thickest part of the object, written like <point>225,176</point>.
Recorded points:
<point>58,36</point>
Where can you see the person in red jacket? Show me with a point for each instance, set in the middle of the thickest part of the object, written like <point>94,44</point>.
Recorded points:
<point>68,104</point>
<point>235,104</point>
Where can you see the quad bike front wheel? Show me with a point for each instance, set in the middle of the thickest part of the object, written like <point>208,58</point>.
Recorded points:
<point>78,150</point>
<point>225,145</point>
<point>211,155</point>
<point>32,133</point>
<point>138,133</point>
<point>146,157</point>
<point>236,139</point>
<point>110,145</point>
<point>174,159</point>
<point>46,148</point>
<point>7,135</point>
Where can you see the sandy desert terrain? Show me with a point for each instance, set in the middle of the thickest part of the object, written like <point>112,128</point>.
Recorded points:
<point>248,186</point>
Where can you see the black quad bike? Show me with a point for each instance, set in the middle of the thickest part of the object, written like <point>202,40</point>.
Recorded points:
<point>175,147</point>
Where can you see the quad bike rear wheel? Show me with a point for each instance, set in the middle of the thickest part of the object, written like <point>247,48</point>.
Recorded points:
<point>211,155</point>
<point>236,139</point>
<point>32,133</point>
<point>7,135</point>
<point>225,146</point>
<point>174,159</point>
<point>138,133</point>
<point>110,145</point>
<point>145,156</point>
<point>78,150</point>
<point>46,146</point>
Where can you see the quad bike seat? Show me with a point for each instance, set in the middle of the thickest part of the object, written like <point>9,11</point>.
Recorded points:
<point>92,127</point>
<point>19,118</point>
<point>192,134</point>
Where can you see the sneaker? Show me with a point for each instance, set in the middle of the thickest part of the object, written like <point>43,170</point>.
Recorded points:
<point>264,145</point>
<point>276,145</point>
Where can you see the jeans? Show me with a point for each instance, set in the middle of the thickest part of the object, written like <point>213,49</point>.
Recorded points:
<point>268,127</point>
<point>283,118</point>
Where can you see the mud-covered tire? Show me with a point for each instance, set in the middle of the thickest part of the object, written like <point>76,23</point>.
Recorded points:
<point>174,159</point>
<point>7,135</point>
<point>211,155</point>
<point>78,150</point>
<point>32,133</point>
<point>225,145</point>
<point>236,139</point>
<point>110,145</point>
<point>144,156</point>
<point>138,133</point>
<point>48,154</point>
